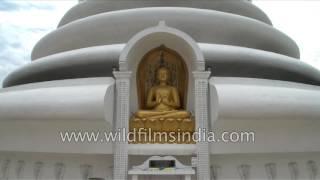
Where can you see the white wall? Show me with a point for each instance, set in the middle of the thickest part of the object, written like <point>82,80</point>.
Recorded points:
<point>43,136</point>
<point>101,164</point>
<point>228,165</point>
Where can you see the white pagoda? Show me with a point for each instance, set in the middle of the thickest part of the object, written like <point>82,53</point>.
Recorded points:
<point>231,72</point>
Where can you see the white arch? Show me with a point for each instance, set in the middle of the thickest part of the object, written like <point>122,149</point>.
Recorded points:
<point>198,58</point>
<point>151,38</point>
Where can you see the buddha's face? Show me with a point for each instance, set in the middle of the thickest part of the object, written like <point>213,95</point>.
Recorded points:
<point>163,75</point>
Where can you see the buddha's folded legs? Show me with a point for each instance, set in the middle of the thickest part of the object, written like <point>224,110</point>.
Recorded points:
<point>163,114</point>
<point>148,114</point>
<point>175,115</point>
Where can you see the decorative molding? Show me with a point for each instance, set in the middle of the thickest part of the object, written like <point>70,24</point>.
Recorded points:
<point>200,65</point>
<point>312,169</point>
<point>59,170</point>
<point>123,66</point>
<point>244,171</point>
<point>271,170</point>
<point>294,170</point>
<point>122,75</point>
<point>20,168</point>
<point>86,171</point>
<point>5,169</point>
<point>201,75</point>
<point>162,27</point>
<point>38,170</point>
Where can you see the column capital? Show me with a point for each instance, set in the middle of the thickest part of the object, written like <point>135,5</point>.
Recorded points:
<point>201,74</point>
<point>123,65</point>
<point>122,74</point>
<point>200,65</point>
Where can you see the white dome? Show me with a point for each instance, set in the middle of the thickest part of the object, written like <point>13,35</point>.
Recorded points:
<point>94,7</point>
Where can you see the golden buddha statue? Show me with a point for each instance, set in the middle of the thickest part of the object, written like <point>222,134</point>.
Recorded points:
<point>163,100</point>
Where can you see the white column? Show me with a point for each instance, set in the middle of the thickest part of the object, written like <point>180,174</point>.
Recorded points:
<point>187,177</point>
<point>201,118</point>
<point>134,177</point>
<point>120,171</point>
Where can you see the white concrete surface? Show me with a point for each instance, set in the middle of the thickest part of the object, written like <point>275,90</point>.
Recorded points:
<point>205,26</point>
<point>99,165</point>
<point>225,60</point>
<point>263,100</point>
<point>82,99</point>
<point>226,166</point>
<point>90,8</point>
<point>284,116</point>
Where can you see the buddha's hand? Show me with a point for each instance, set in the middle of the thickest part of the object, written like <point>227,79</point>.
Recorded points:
<point>166,102</point>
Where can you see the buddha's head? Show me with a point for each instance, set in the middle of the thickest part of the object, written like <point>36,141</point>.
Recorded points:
<point>163,74</point>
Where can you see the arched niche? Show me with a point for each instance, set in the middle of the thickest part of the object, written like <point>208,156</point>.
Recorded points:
<point>151,38</point>
<point>147,70</point>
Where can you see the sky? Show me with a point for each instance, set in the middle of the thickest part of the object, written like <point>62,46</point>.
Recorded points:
<point>299,19</point>
<point>24,22</point>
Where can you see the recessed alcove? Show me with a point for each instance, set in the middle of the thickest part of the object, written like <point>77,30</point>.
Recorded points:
<point>152,38</point>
